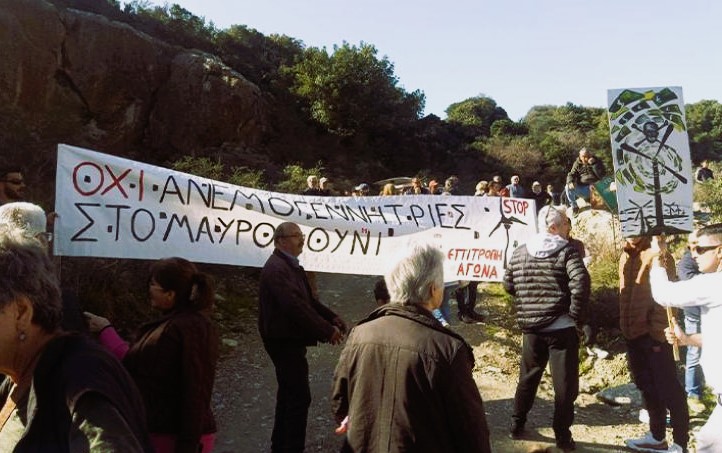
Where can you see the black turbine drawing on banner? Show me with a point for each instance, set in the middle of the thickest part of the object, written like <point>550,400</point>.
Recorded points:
<point>507,223</point>
<point>657,162</point>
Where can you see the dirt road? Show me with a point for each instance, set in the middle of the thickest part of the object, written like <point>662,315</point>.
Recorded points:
<point>245,387</point>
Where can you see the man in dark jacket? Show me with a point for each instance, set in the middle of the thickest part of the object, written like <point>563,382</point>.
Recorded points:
<point>403,382</point>
<point>550,285</point>
<point>585,171</point>
<point>290,319</point>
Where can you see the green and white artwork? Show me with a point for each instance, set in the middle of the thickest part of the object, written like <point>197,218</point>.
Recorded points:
<point>652,167</point>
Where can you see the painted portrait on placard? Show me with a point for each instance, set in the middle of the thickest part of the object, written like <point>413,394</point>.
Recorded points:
<point>652,166</point>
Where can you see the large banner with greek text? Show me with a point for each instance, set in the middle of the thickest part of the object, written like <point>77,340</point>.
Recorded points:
<point>652,166</point>
<point>117,208</point>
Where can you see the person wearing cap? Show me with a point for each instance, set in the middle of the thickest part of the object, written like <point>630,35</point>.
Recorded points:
<point>362,189</point>
<point>541,198</point>
<point>313,188</point>
<point>12,185</point>
<point>434,187</point>
<point>325,187</point>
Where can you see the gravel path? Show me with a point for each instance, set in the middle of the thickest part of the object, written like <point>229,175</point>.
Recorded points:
<point>245,387</point>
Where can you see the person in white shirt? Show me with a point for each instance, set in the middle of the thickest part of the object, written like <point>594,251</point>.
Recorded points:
<point>702,291</point>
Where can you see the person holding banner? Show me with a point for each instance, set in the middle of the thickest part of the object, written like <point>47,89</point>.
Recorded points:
<point>290,318</point>
<point>701,291</point>
<point>649,357</point>
<point>173,361</point>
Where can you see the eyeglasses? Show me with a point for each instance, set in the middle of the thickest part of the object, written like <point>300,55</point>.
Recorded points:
<point>302,236</point>
<point>17,182</point>
<point>702,249</point>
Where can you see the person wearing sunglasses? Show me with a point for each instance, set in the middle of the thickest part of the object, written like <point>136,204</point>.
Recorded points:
<point>12,185</point>
<point>702,291</point>
<point>693,374</point>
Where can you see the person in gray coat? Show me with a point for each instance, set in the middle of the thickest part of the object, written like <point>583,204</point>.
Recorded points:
<point>403,381</point>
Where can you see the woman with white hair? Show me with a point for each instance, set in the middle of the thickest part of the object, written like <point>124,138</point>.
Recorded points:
<point>27,220</point>
<point>403,382</point>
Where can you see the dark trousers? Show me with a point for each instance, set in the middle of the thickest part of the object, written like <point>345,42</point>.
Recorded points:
<point>560,348</point>
<point>293,397</point>
<point>655,375</point>
<point>466,297</point>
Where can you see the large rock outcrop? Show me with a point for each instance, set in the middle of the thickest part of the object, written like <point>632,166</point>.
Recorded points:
<point>79,78</point>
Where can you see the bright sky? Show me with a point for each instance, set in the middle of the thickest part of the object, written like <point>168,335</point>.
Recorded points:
<point>521,53</point>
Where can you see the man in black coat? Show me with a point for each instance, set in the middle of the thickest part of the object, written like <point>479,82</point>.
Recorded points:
<point>290,319</point>
<point>550,285</point>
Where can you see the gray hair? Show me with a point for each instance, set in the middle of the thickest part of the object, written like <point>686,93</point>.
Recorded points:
<point>549,217</point>
<point>26,270</point>
<point>410,280</point>
<point>26,219</point>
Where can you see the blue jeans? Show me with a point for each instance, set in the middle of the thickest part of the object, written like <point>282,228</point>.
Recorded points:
<point>579,190</point>
<point>693,376</point>
<point>444,311</point>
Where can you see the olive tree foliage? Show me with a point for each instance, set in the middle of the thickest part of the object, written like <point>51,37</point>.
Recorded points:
<point>558,132</point>
<point>352,91</point>
<point>477,115</point>
<point>704,125</point>
<point>207,168</point>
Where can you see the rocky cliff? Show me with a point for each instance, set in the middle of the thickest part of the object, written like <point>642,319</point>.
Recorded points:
<point>79,78</point>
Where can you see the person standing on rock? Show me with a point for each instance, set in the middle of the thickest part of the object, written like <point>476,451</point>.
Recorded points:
<point>649,356</point>
<point>404,382</point>
<point>290,318</point>
<point>550,285</point>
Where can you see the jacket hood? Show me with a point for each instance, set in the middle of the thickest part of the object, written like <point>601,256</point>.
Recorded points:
<point>544,245</point>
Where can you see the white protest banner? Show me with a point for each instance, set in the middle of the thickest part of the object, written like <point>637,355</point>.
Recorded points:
<point>650,150</point>
<point>117,208</point>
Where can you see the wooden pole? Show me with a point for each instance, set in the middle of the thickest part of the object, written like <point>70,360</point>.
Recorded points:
<point>675,346</point>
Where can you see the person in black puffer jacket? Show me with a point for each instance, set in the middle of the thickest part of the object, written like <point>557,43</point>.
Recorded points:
<point>550,285</point>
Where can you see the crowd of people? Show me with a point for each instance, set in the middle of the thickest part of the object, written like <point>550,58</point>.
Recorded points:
<point>403,381</point>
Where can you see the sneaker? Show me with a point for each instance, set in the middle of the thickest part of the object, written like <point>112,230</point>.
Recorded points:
<point>566,444</point>
<point>696,406</point>
<point>467,319</point>
<point>478,317</point>
<point>648,443</point>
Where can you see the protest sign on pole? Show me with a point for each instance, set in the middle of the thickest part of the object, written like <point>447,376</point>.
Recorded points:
<point>652,167</point>
<point>118,208</point>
